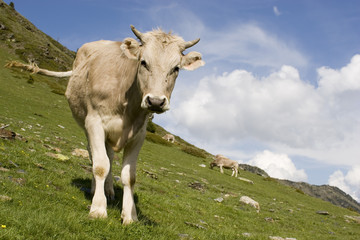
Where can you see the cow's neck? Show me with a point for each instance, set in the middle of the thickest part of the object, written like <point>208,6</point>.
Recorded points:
<point>135,118</point>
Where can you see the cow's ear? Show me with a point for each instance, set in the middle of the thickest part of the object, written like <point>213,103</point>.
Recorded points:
<point>131,48</point>
<point>192,61</point>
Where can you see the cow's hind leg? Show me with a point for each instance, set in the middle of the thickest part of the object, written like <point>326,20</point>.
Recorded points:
<point>109,185</point>
<point>101,165</point>
<point>128,178</point>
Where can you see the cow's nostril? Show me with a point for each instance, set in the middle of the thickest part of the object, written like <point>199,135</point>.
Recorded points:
<point>148,101</point>
<point>156,104</point>
<point>162,103</point>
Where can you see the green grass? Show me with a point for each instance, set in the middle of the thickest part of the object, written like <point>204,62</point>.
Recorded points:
<point>174,195</point>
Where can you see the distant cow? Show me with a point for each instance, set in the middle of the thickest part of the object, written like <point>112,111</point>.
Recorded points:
<point>113,89</point>
<point>169,138</point>
<point>224,162</point>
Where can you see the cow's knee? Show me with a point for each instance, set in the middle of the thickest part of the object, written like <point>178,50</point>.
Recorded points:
<point>128,176</point>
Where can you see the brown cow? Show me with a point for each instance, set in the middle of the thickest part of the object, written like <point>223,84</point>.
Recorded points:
<point>222,161</point>
<point>113,89</point>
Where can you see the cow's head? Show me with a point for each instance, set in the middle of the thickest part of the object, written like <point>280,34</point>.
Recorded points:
<point>159,59</point>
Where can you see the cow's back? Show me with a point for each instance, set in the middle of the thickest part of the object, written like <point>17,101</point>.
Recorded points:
<point>101,76</point>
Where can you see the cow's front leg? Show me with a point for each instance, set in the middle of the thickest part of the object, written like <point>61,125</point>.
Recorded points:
<point>128,178</point>
<point>100,165</point>
<point>221,169</point>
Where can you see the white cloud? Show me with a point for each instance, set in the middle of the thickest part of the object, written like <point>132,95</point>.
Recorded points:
<point>334,82</point>
<point>280,112</point>
<point>349,183</point>
<point>276,11</point>
<point>250,44</point>
<point>278,166</point>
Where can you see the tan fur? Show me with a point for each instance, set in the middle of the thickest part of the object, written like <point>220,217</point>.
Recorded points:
<point>224,162</point>
<point>33,67</point>
<point>113,89</point>
<point>169,138</point>
<point>99,171</point>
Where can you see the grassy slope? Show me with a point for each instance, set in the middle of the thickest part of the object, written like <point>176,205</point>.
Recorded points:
<point>50,199</point>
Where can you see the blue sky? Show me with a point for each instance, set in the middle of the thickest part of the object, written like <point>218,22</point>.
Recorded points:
<point>280,88</point>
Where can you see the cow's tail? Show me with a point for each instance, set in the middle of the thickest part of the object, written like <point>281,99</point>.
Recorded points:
<point>32,67</point>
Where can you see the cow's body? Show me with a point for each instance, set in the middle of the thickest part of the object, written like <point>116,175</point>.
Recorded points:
<point>224,162</point>
<point>169,137</point>
<point>113,88</point>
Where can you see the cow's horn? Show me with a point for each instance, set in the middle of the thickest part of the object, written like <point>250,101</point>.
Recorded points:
<point>136,32</point>
<point>191,43</point>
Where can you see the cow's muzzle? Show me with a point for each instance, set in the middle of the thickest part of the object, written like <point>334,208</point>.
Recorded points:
<point>155,104</point>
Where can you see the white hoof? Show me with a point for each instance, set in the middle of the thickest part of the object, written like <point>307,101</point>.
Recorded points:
<point>97,213</point>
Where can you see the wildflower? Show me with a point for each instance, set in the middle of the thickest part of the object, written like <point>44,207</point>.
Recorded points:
<point>3,226</point>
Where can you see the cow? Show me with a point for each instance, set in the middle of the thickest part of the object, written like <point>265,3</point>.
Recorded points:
<point>224,162</point>
<point>169,137</point>
<point>113,89</point>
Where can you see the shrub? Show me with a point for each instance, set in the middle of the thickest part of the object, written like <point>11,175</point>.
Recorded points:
<point>299,191</point>
<point>151,137</point>
<point>151,127</point>
<point>194,151</point>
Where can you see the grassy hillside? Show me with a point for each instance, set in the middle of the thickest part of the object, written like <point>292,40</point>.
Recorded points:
<point>46,196</point>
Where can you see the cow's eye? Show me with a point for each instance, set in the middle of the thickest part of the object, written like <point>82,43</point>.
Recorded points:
<point>175,70</point>
<point>144,64</point>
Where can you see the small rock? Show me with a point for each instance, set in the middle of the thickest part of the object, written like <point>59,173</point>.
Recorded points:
<point>58,156</point>
<point>14,164</point>
<point>353,218</point>
<point>251,202</point>
<point>4,198</point>
<point>150,174</point>
<point>183,235</point>
<point>78,152</point>
<point>245,180</point>
<point>87,168</point>
<point>195,225</point>
<point>202,165</point>
<point>4,169</point>
<point>246,234</point>
<point>219,199</point>
<point>6,134</point>
<point>323,212</point>
<point>19,181</point>
<point>117,178</point>
<point>197,186</point>
<point>60,126</point>
<point>52,148</point>
<point>276,238</point>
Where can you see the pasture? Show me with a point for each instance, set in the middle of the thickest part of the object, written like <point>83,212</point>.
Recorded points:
<point>45,190</point>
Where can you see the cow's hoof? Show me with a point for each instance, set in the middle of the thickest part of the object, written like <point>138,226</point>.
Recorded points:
<point>97,214</point>
<point>128,221</point>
